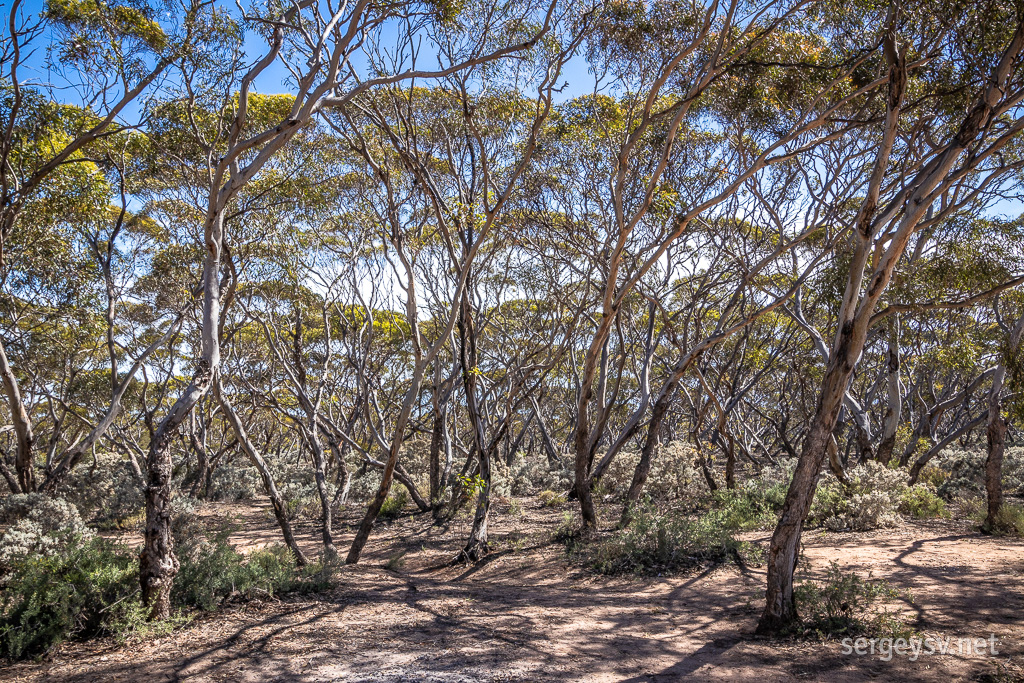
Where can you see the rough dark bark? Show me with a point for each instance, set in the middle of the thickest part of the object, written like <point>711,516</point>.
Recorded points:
<point>996,433</point>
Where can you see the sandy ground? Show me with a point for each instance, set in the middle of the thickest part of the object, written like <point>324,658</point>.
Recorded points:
<point>524,614</point>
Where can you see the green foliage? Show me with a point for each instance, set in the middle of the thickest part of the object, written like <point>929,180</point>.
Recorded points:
<point>920,501</point>
<point>212,571</point>
<point>1009,520</point>
<point>755,503</point>
<point>551,499</point>
<point>657,542</point>
<point>844,604</point>
<point>396,501</point>
<point>86,591</point>
<point>114,20</point>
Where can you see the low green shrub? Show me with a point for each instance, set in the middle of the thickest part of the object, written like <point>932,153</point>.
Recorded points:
<point>844,604</point>
<point>551,499</point>
<point>1009,520</point>
<point>395,503</point>
<point>212,571</point>
<point>922,502</point>
<point>656,542</point>
<point>88,590</point>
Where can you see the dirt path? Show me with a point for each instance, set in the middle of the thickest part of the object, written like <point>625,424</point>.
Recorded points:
<point>525,615</point>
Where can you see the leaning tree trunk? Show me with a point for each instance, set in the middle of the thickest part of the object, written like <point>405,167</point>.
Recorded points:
<point>643,466</point>
<point>276,500</point>
<point>780,610</point>
<point>388,475</point>
<point>22,426</point>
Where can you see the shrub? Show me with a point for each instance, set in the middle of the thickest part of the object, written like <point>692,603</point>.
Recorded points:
<point>674,475</point>
<point>396,501</point>
<point>933,475</point>
<point>843,604</point>
<point>530,475</point>
<point>756,502</point>
<point>230,483</point>
<point>364,485</point>
<point>966,471</point>
<point>212,571</point>
<point>657,542</point>
<point>1009,520</point>
<point>107,492</point>
<point>300,493</point>
<point>41,526</point>
<point>920,501</point>
<point>551,499</point>
<point>869,500</point>
<point>87,590</point>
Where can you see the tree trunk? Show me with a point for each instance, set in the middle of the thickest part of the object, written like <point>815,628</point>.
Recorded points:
<point>650,447</point>
<point>276,501</point>
<point>996,433</point>
<point>436,444</point>
<point>895,397</point>
<point>320,476</point>
<point>23,464</point>
<point>157,563</point>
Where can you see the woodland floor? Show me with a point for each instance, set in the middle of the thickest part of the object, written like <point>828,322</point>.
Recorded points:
<point>524,614</point>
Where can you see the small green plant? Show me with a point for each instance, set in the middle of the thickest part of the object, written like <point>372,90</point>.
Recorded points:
<point>396,561</point>
<point>472,484</point>
<point>657,542</point>
<point>844,604</point>
<point>933,476</point>
<point>921,502</point>
<point>515,509</point>
<point>551,499</point>
<point>1009,520</point>
<point>568,531</point>
<point>394,503</point>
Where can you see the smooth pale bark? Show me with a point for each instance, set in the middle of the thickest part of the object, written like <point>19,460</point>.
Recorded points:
<point>23,465</point>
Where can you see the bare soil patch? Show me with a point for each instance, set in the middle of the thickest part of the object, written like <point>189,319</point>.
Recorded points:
<point>525,614</point>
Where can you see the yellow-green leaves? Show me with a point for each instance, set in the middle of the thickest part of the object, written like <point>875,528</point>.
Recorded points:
<point>117,21</point>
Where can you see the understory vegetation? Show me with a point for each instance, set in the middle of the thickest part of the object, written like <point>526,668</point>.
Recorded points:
<point>688,273</point>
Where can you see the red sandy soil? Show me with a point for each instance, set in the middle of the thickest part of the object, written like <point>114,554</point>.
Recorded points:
<point>525,614</point>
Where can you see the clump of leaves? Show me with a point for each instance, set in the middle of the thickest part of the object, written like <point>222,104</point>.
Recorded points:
<point>394,503</point>
<point>89,589</point>
<point>551,499</point>
<point>658,542</point>
<point>922,502</point>
<point>843,604</point>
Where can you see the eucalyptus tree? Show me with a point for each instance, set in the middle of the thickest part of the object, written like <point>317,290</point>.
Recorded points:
<point>106,62</point>
<point>955,152</point>
<point>721,94</point>
<point>324,49</point>
<point>417,200</point>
